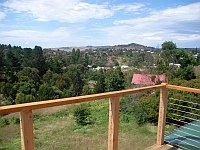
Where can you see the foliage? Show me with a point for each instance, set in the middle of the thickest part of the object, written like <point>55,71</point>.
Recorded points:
<point>168,45</point>
<point>186,73</point>
<point>24,98</point>
<point>75,56</point>
<point>14,120</point>
<point>33,74</point>
<point>114,80</point>
<point>183,57</point>
<point>76,73</point>
<point>87,90</point>
<point>146,110</point>
<point>28,74</point>
<point>82,115</point>
<point>198,59</point>
<point>171,55</point>
<point>4,122</point>
<point>47,92</point>
<point>100,85</point>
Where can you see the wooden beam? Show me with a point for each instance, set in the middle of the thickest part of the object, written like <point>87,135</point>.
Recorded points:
<point>181,88</point>
<point>162,115</point>
<point>113,123</point>
<point>26,127</point>
<point>72,100</point>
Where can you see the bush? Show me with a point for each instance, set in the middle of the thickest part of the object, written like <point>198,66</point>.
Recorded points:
<point>82,115</point>
<point>146,110</point>
<point>4,122</point>
<point>14,120</point>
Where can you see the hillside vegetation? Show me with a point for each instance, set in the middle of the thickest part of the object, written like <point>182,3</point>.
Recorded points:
<point>29,75</point>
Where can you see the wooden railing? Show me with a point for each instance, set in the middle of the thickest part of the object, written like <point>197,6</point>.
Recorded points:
<point>26,118</point>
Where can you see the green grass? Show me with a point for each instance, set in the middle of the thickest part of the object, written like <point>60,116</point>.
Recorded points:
<point>57,130</point>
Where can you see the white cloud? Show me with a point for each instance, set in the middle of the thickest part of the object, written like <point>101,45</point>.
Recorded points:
<point>69,10</point>
<point>168,16</point>
<point>129,7</point>
<point>2,15</point>
<point>158,27</point>
<point>60,10</point>
<point>151,30</point>
<point>146,36</point>
<point>44,38</point>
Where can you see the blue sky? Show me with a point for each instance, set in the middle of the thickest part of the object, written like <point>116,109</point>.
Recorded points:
<point>57,23</point>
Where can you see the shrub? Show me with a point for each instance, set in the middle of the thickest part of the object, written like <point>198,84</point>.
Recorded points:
<point>146,110</point>
<point>14,120</point>
<point>4,122</point>
<point>82,115</point>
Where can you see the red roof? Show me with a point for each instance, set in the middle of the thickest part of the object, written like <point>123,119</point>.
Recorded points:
<point>147,79</point>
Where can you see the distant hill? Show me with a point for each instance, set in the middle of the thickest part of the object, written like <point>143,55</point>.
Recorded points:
<point>123,46</point>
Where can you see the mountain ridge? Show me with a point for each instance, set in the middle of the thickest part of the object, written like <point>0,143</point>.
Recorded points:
<point>120,46</point>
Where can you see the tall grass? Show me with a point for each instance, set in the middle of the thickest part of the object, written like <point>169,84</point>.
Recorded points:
<point>59,131</point>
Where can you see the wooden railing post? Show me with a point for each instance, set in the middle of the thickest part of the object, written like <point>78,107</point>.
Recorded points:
<point>26,127</point>
<point>162,114</point>
<point>113,123</point>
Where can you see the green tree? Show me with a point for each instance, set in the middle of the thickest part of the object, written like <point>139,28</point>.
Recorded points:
<point>48,78</point>
<point>87,90</point>
<point>28,74</point>
<point>186,73</point>
<point>9,90</point>
<point>73,56</point>
<point>114,80</point>
<point>13,65</point>
<point>47,92</point>
<point>23,98</point>
<point>198,59</point>
<point>63,81</point>
<point>27,87</point>
<point>168,45</point>
<point>183,57</point>
<point>76,73</point>
<point>100,85</point>
<point>2,60</point>
<point>39,60</point>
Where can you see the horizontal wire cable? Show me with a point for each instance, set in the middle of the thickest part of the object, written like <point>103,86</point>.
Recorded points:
<point>184,101</point>
<point>185,112</point>
<point>184,106</point>
<point>183,127</point>
<point>183,116</point>
<point>185,122</point>
<point>184,137</point>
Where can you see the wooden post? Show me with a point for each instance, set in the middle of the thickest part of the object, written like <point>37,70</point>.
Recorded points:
<point>113,123</point>
<point>162,115</point>
<point>26,127</point>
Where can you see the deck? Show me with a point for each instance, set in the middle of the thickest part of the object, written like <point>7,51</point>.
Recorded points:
<point>186,137</point>
<point>163,147</point>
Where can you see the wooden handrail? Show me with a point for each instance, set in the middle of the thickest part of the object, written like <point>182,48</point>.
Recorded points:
<point>182,88</point>
<point>72,100</point>
<point>26,122</point>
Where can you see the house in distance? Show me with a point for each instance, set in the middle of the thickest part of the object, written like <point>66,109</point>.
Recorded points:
<point>148,79</point>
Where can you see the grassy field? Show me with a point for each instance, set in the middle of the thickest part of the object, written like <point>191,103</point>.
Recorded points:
<point>55,129</point>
